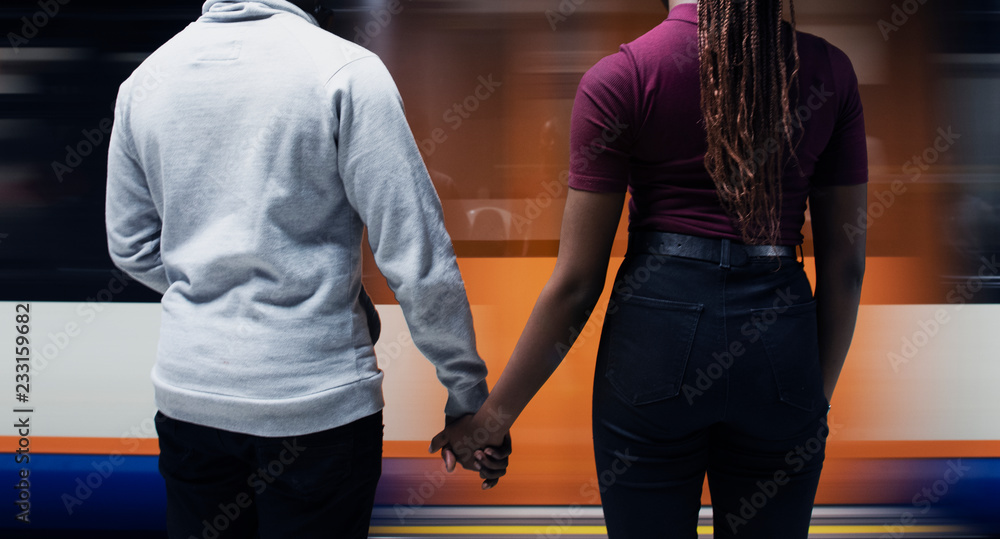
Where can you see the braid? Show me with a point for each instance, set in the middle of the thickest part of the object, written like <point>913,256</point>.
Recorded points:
<point>745,100</point>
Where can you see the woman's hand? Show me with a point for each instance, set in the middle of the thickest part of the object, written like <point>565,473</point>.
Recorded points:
<point>482,446</point>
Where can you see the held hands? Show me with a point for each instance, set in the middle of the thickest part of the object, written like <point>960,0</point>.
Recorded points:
<point>481,446</point>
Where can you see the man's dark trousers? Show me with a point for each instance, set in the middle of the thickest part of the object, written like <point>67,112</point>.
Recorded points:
<point>223,484</point>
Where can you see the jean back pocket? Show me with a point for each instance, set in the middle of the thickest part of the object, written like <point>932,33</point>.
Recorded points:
<point>649,341</point>
<point>790,339</point>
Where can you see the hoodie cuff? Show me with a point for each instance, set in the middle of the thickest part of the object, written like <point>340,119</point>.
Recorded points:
<point>466,401</point>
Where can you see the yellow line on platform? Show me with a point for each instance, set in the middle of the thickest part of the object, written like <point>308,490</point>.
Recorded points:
<point>601,530</point>
<point>883,529</point>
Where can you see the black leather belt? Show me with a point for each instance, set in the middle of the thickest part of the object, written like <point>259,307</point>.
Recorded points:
<point>724,252</point>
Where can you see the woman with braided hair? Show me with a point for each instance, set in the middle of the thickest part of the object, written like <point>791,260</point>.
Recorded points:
<point>716,357</point>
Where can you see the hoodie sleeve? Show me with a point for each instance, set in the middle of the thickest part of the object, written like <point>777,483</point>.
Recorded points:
<point>133,222</point>
<point>387,183</point>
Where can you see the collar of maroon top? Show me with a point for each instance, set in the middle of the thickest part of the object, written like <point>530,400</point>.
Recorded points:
<point>684,12</point>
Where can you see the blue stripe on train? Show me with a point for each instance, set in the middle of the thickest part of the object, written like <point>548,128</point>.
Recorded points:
<point>102,492</point>
<point>83,492</point>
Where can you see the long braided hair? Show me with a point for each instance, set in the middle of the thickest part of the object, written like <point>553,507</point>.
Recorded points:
<point>745,88</point>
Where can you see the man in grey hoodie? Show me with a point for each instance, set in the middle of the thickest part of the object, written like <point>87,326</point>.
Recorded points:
<point>248,154</point>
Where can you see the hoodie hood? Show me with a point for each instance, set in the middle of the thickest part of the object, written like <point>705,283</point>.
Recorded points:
<point>237,11</point>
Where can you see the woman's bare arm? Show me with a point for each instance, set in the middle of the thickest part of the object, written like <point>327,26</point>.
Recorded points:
<point>840,268</point>
<point>590,221</point>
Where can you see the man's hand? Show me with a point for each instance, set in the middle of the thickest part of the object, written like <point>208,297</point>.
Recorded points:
<point>471,444</point>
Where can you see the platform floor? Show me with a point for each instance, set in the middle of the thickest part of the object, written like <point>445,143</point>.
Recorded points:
<point>588,523</point>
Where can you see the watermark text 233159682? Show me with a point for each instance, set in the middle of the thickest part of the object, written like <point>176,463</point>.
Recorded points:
<point>22,387</point>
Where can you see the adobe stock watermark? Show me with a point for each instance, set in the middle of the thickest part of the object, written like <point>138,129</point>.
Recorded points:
<point>587,330</point>
<point>900,16</point>
<point>258,481</point>
<point>817,98</point>
<point>93,139</point>
<point>608,477</point>
<point>463,449</point>
<point>31,26</point>
<point>226,180</point>
<point>104,468</point>
<point>914,169</point>
<point>380,20</point>
<point>551,191</point>
<point>591,490</point>
<point>925,499</point>
<point>459,112</point>
<point>795,460</point>
<point>564,11</point>
<point>86,313</point>
<point>421,494</point>
<point>588,153</point>
<point>927,329</point>
<point>581,161</point>
<point>626,287</point>
<point>389,351</point>
<point>689,55</point>
<point>760,322</point>
<point>561,523</point>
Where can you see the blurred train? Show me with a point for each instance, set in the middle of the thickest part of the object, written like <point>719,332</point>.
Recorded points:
<point>914,446</point>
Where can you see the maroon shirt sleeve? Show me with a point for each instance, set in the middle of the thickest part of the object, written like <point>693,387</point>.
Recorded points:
<point>602,124</point>
<point>844,161</point>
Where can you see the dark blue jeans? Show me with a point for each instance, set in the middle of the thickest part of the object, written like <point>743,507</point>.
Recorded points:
<point>704,368</point>
<point>223,484</point>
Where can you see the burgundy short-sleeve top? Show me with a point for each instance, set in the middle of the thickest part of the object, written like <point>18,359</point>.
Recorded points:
<point>637,125</point>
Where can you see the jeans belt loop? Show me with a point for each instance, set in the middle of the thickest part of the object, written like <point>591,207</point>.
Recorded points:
<point>724,257</point>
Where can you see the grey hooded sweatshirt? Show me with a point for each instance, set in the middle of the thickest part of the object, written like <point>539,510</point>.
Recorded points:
<point>248,153</point>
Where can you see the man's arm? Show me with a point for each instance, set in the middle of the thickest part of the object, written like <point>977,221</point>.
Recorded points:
<point>132,220</point>
<point>840,269</point>
<point>589,224</point>
<point>387,183</point>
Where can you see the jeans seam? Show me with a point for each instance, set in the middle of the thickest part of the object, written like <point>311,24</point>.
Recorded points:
<point>725,340</point>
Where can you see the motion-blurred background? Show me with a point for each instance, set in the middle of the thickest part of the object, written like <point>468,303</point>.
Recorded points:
<point>488,87</point>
